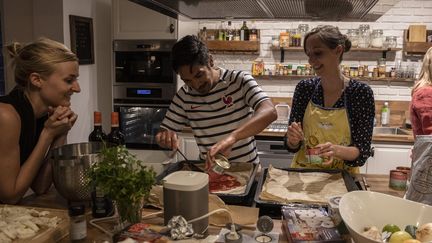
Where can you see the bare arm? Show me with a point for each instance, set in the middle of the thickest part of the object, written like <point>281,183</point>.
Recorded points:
<point>16,179</point>
<point>265,114</point>
<point>43,180</point>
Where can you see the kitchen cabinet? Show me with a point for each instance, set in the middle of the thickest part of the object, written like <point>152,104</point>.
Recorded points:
<point>387,157</point>
<point>133,21</point>
<point>188,146</point>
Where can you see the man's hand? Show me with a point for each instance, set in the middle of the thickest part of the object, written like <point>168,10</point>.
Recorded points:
<point>167,139</point>
<point>224,147</point>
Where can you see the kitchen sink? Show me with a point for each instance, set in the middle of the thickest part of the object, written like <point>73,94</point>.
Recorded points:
<point>390,130</point>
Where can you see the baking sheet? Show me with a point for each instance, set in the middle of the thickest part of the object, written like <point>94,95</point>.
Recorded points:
<point>273,209</point>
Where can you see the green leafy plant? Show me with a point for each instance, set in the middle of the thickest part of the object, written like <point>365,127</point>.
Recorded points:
<point>124,179</point>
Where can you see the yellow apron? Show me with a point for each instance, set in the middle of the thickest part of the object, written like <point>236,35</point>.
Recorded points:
<point>321,125</point>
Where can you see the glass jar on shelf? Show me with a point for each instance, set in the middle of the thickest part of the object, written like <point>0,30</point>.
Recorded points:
<point>353,35</point>
<point>295,38</point>
<point>275,42</point>
<point>382,68</point>
<point>390,42</point>
<point>303,29</point>
<point>284,39</point>
<point>377,38</point>
<point>364,36</point>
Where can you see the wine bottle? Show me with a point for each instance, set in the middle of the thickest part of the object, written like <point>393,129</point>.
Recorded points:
<point>97,135</point>
<point>115,137</point>
<point>244,32</point>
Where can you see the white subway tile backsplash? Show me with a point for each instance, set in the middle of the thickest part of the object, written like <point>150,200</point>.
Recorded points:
<point>394,22</point>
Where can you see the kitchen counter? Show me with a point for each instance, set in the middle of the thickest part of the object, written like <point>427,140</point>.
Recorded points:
<point>376,138</point>
<point>52,199</point>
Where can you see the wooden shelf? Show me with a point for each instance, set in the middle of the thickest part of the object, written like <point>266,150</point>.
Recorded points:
<point>300,77</point>
<point>354,49</point>
<point>249,47</point>
<point>416,47</point>
<point>353,54</point>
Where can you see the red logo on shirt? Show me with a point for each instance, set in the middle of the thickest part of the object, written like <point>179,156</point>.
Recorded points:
<point>227,100</point>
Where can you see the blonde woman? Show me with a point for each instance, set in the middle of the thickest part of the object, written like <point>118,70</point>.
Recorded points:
<point>421,104</point>
<point>35,116</point>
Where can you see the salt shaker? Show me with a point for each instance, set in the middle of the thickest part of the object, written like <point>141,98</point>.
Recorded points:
<point>78,224</point>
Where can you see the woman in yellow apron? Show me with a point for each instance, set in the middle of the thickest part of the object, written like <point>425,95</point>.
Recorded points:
<point>331,120</point>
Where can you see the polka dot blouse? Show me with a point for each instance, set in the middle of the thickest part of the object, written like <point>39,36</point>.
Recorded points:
<point>360,107</point>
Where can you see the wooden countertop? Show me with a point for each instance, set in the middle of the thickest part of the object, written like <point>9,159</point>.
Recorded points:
<point>52,199</point>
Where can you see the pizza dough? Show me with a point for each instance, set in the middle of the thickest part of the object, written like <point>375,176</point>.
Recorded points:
<point>306,187</point>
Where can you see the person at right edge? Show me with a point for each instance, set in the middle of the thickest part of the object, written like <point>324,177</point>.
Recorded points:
<point>420,185</point>
<point>332,115</point>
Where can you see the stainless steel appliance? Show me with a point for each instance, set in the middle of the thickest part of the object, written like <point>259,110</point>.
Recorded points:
<point>185,193</point>
<point>318,10</point>
<point>143,88</point>
<point>271,150</point>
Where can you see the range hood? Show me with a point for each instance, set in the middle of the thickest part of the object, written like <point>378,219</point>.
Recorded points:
<point>306,10</point>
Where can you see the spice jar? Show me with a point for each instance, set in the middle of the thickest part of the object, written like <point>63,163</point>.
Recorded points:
<point>353,35</point>
<point>382,68</point>
<point>377,38</point>
<point>78,224</point>
<point>364,36</point>
<point>361,71</point>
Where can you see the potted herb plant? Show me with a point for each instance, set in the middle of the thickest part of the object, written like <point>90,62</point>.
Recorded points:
<point>124,179</point>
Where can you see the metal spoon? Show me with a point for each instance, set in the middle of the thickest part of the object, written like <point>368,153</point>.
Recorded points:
<point>191,165</point>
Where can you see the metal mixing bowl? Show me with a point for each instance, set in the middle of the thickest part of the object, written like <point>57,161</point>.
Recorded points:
<point>70,165</point>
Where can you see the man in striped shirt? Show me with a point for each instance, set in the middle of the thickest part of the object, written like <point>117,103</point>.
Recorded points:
<point>224,108</point>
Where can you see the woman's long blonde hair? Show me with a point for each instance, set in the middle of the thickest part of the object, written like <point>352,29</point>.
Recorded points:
<point>425,77</point>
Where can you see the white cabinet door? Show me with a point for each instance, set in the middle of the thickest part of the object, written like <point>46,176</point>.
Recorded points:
<point>387,157</point>
<point>188,146</point>
<point>133,21</point>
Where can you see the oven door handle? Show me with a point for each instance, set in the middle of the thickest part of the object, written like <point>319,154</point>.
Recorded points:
<point>273,152</point>
<point>140,105</point>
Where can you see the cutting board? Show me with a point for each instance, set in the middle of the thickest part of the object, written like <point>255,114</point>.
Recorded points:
<point>47,234</point>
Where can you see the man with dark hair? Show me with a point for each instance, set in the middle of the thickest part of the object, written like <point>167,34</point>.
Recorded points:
<point>224,108</point>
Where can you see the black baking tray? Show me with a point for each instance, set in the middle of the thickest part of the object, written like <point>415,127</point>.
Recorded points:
<point>273,209</point>
<point>245,198</point>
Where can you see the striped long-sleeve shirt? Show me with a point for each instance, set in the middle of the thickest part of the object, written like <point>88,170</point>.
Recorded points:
<point>215,115</point>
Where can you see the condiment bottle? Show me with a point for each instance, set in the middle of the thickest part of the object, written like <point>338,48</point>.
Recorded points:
<point>78,224</point>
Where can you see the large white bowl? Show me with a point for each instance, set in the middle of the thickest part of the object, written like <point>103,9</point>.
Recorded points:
<point>359,209</point>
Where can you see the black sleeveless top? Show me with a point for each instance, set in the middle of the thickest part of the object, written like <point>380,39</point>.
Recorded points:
<point>30,126</point>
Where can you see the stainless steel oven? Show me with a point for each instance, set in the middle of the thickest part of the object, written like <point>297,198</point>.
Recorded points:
<point>271,150</point>
<point>143,88</point>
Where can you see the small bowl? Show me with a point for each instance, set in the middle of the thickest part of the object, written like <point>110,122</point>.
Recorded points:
<point>360,209</point>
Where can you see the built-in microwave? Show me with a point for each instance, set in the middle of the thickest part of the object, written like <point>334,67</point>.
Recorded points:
<point>143,62</point>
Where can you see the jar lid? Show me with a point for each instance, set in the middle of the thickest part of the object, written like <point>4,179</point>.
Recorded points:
<point>76,210</point>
